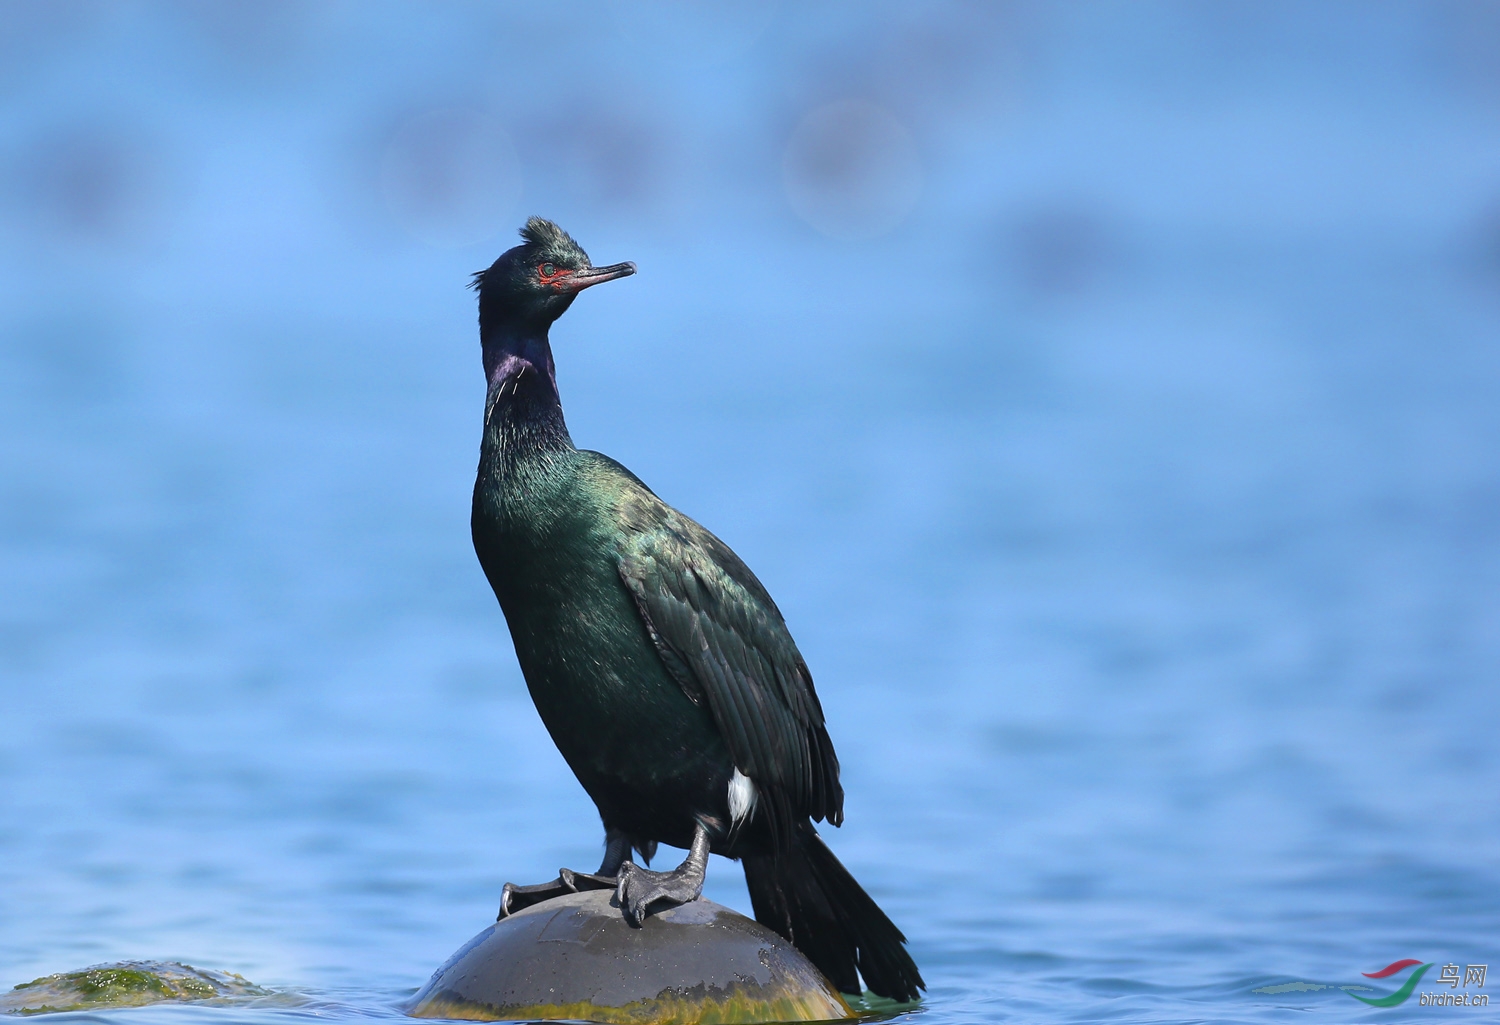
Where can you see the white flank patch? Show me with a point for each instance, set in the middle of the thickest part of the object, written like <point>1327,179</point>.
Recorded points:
<point>742,796</point>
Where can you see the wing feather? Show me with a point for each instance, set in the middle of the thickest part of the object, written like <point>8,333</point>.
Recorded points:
<point>722,638</point>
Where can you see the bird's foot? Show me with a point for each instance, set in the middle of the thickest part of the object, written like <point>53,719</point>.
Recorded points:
<point>639,889</point>
<point>514,898</point>
<point>616,853</point>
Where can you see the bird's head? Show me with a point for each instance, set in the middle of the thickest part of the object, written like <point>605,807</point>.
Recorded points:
<point>531,285</point>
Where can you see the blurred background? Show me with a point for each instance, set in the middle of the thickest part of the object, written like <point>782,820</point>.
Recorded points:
<point>1107,392</point>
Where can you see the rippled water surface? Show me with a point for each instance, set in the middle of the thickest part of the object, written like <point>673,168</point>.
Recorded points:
<point>1111,410</point>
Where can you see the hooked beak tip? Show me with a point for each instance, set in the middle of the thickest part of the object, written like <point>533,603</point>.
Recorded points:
<point>596,275</point>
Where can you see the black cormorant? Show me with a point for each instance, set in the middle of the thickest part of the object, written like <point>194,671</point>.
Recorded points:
<point>658,662</point>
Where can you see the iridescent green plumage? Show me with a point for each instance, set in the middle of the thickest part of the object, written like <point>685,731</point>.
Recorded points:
<point>661,667</point>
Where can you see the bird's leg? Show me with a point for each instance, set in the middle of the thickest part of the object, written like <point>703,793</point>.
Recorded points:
<point>640,888</point>
<point>616,853</point>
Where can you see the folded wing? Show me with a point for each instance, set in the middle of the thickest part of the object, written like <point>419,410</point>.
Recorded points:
<point>722,638</point>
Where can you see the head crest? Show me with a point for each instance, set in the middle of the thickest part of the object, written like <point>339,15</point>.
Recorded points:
<point>546,236</point>
<point>542,232</point>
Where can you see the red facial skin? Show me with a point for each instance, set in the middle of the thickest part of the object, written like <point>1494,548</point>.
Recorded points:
<point>558,279</point>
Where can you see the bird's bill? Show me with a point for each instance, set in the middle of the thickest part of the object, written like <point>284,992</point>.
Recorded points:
<point>594,275</point>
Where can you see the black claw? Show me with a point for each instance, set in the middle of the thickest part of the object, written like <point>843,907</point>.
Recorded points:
<point>640,889</point>
<point>637,889</point>
<point>515,898</point>
<point>578,882</point>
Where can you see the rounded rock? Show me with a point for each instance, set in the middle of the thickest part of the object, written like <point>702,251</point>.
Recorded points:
<point>575,957</point>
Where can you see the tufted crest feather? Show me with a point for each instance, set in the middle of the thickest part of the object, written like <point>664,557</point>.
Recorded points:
<point>551,239</point>
<point>544,233</point>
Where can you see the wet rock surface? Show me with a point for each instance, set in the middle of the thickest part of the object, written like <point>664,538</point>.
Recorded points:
<point>125,984</point>
<point>575,957</point>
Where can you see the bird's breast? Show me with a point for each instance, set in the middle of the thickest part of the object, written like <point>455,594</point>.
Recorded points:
<point>549,544</point>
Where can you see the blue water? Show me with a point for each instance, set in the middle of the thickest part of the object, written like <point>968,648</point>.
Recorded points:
<point>1108,399</point>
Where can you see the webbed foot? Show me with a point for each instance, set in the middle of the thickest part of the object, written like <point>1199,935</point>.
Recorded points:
<point>514,898</point>
<point>640,889</point>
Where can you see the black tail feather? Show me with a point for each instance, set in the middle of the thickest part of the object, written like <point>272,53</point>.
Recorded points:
<point>807,896</point>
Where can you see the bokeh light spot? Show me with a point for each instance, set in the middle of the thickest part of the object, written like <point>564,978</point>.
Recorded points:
<point>451,177</point>
<point>94,185</point>
<point>851,170</point>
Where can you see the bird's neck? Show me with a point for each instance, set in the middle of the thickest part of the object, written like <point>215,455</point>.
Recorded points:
<point>522,411</point>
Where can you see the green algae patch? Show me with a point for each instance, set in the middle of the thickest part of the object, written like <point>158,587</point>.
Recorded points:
<point>125,984</point>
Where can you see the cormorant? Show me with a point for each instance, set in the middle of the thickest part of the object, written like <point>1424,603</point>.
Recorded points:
<point>658,662</point>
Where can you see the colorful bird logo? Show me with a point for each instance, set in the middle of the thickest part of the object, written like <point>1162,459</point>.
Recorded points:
<point>1400,996</point>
